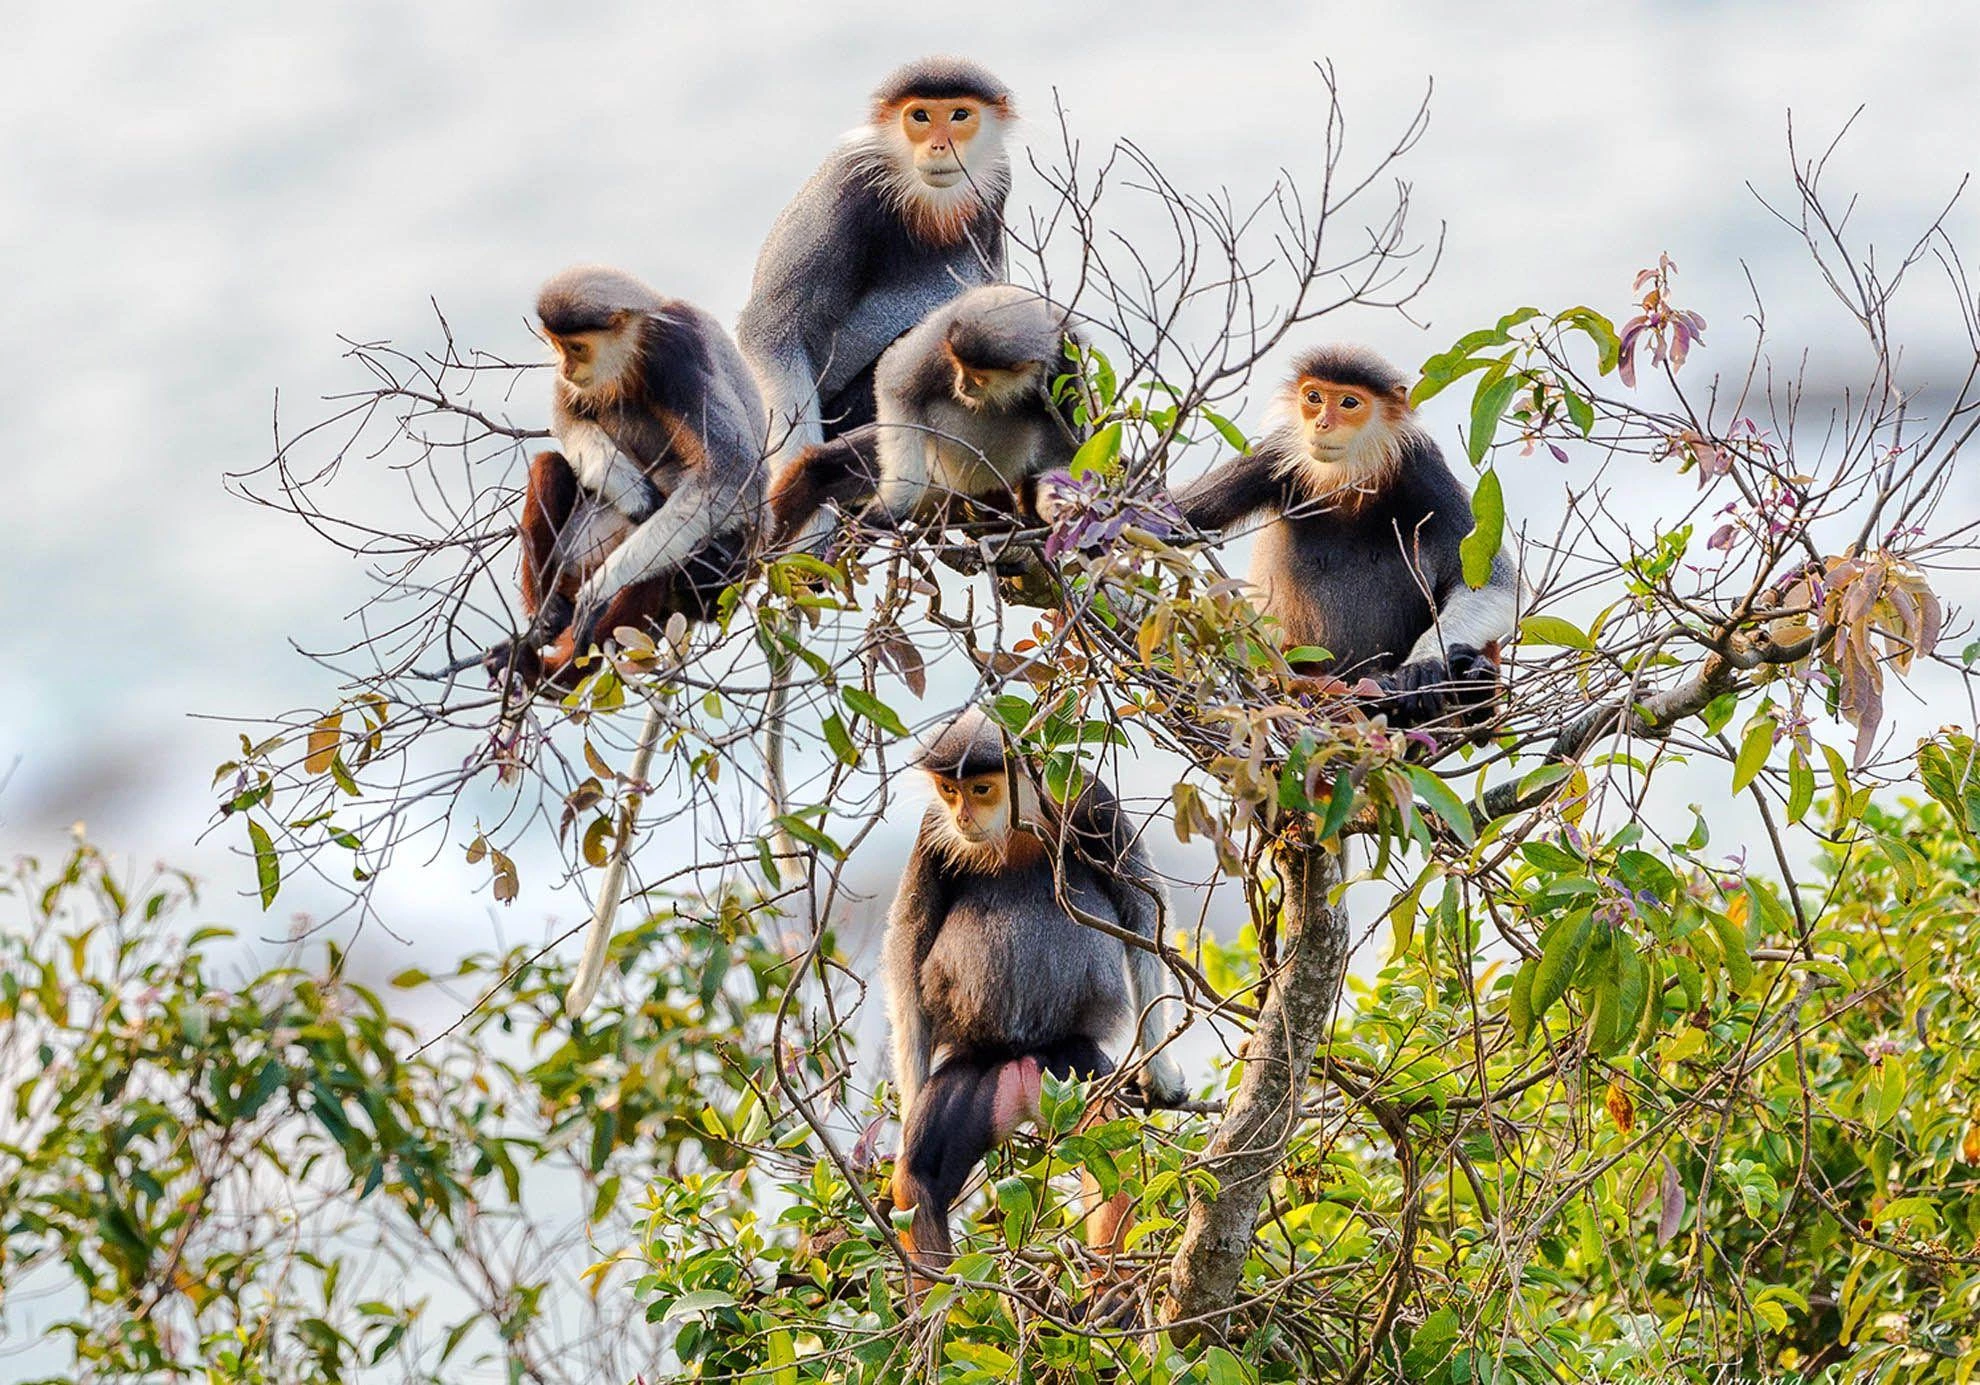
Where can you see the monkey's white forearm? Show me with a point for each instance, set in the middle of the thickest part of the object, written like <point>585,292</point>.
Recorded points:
<point>666,540</point>
<point>1152,993</point>
<point>905,457</point>
<point>1154,1000</point>
<point>1474,618</point>
<point>911,1057</point>
<point>789,383</point>
<point>912,1054</point>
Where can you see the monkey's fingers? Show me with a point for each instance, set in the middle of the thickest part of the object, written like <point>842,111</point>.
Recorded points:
<point>496,659</point>
<point>462,664</point>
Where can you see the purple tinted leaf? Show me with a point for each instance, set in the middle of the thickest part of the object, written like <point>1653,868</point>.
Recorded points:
<point>1670,1211</point>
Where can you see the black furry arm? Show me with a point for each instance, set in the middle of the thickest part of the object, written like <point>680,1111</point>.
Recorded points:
<point>1230,491</point>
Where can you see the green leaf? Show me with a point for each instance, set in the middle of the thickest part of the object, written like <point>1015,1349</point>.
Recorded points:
<point>1547,856</point>
<point>1544,777</point>
<point>700,1301</point>
<point>1480,548</point>
<point>1447,368</point>
<point>1732,942</point>
<point>1754,749</point>
<point>1951,775</point>
<point>809,835</point>
<point>267,865</point>
<point>1011,712</point>
<point>1890,1091</point>
<point>1430,1345</point>
<point>1519,1002</point>
<point>1098,453</point>
<point>1340,803</point>
<point>840,740</point>
<point>1580,411</point>
<point>1402,914</point>
<point>1561,952</point>
<point>1719,711</point>
<point>1503,328</point>
<point>1063,776</point>
<point>865,704</point>
<point>1598,329</point>
<point>1801,786</point>
<point>1443,802</point>
<point>1488,406</point>
<point>1222,1368</point>
<point>1228,430</point>
<point>1555,631</point>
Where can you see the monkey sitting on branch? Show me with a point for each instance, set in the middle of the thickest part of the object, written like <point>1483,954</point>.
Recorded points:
<point>993,978</point>
<point>903,216</point>
<point>1360,553</point>
<point>965,412</point>
<point>654,503</point>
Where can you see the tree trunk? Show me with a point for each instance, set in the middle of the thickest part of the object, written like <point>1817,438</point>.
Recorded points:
<point>1250,1145</point>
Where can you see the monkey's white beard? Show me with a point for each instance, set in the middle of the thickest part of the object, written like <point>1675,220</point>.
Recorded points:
<point>1364,467</point>
<point>937,214</point>
<point>964,854</point>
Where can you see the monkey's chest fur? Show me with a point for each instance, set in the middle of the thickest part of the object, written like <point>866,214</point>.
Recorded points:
<point>1010,968</point>
<point>1361,584</point>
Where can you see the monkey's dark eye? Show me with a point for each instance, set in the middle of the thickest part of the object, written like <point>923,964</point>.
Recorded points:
<point>1348,401</point>
<point>1313,396</point>
<point>920,117</point>
<point>962,114</point>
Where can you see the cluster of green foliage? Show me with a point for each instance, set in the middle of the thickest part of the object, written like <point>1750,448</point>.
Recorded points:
<point>1765,1171</point>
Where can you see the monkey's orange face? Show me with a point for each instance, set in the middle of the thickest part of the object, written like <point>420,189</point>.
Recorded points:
<point>1333,416</point>
<point>979,806</point>
<point>591,360</point>
<point>939,133</point>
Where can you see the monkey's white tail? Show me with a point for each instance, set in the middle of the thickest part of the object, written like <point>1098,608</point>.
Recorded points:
<point>598,938</point>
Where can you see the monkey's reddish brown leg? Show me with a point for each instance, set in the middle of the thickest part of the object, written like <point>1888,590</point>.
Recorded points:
<point>547,504</point>
<point>1108,1219</point>
<point>640,605</point>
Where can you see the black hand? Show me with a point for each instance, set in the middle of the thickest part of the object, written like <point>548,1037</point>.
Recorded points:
<point>584,625</point>
<point>1413,693</point>
<point>551,620</point>
<point>649,499</point>
<point>1475,679</point>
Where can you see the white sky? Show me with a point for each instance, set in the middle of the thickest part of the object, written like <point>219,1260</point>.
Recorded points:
<point>196,200</point>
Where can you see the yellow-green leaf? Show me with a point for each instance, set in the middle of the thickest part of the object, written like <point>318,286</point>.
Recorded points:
<point>267,865</point>
<point>1480,548</point>
<point>1754,748</point>
<point>1553,630</point>
<point>1560,955</point>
